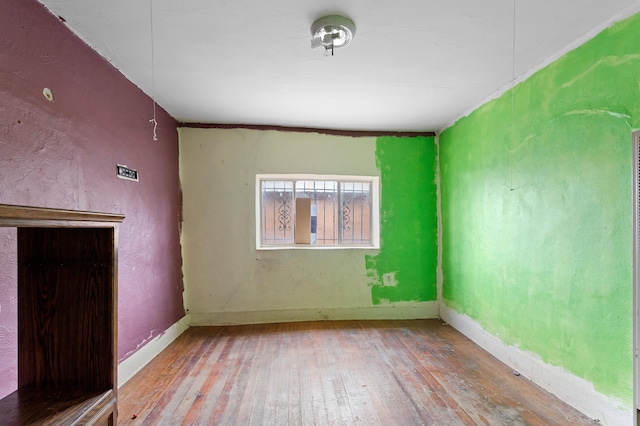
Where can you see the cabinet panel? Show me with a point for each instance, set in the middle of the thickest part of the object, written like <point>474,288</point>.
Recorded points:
<point>65,307</point>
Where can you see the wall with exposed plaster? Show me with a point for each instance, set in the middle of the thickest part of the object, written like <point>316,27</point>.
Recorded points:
<point>537,212</point>
<point>228,281</point>
<point>404,269</point>
<point>63,154</point>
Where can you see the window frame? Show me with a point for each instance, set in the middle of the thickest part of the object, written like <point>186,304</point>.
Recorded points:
<point>374,181</point>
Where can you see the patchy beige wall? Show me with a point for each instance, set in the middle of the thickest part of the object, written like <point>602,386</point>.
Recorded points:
<point>226,279</point>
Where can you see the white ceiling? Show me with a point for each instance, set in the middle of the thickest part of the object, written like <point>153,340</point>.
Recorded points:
<point>414,65</point>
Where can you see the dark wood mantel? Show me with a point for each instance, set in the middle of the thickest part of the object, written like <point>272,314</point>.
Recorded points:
<point>16,216</point>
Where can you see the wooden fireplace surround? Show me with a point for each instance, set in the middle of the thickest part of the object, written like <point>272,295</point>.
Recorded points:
<point>67,317</point>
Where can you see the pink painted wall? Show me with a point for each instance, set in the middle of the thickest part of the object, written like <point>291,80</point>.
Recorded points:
<point>63,154</point>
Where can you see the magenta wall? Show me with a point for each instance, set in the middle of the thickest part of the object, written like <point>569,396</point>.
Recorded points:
<point>63,154</point>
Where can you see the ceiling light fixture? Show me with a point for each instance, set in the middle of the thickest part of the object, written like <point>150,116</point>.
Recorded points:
<point>332,31</point>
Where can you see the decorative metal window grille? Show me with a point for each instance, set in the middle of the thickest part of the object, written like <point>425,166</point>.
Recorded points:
<point>277,212</point>
<point>344,213</point>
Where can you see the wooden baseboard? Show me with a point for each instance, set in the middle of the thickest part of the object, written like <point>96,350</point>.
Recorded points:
<point>130,366</point>
<point>410,310</point>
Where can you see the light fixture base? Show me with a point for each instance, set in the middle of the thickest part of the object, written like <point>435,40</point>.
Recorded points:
<point>332,31</point>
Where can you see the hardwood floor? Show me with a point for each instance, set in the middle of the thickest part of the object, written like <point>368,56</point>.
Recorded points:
<point>419,372</point>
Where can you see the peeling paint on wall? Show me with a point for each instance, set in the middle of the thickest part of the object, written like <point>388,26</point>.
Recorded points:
<point>63,154</point>
<point>405,268</point>
<point>537,211</point>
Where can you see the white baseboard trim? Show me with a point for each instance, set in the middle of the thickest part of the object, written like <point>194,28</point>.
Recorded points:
<point>572,389</point>
<point>409,310</point>
<point>130,366</point>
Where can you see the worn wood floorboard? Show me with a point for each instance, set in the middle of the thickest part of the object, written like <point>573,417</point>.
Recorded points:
<point>416,372</point>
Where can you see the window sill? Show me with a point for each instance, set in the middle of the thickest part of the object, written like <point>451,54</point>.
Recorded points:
<point>316,247</point>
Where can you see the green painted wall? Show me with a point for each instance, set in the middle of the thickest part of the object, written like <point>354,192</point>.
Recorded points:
<point>408,222</point>
<point>537,211</point>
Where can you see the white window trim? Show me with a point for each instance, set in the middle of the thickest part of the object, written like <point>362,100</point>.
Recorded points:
<point>375,211</point>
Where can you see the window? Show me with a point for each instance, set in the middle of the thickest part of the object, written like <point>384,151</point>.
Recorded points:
<point>317,211</point>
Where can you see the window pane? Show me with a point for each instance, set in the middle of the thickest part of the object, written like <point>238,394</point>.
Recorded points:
<point>324,195</point>
<point>342,213</point>
<point>277,212</point>
<point>355,200</point>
